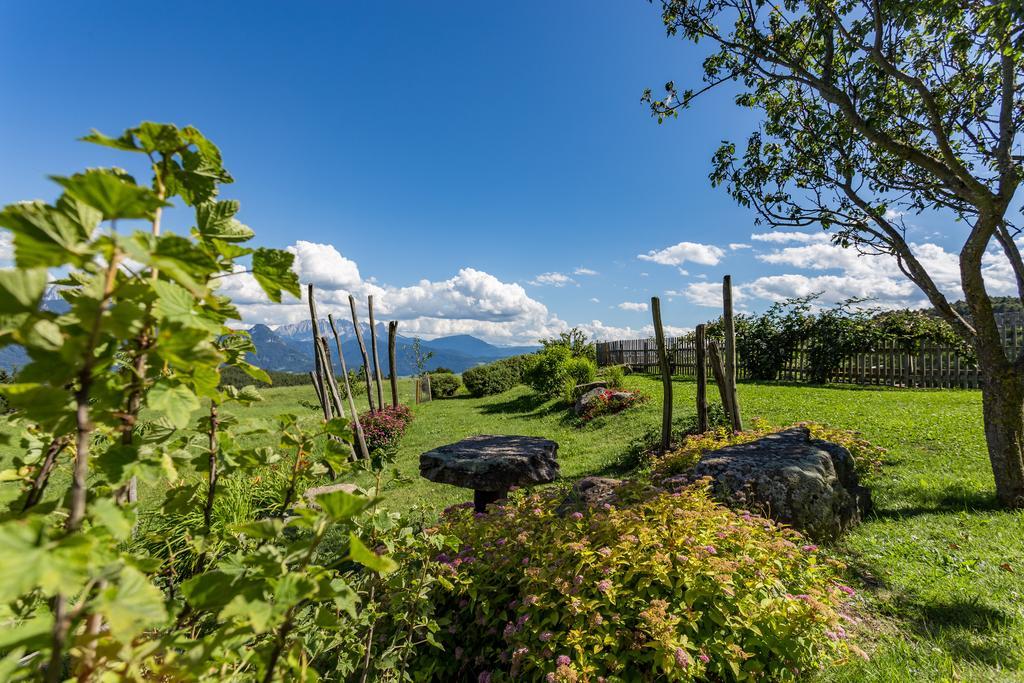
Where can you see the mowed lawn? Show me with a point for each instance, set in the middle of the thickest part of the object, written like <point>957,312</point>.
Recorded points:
<point>939,568</point>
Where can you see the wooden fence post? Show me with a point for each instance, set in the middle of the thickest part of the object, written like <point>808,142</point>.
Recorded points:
<point>376,359</point>
<point>702,379</point>
<point>730,355</point>
<point>718,369</point>
<point>392,365</point>
<point>356,426</point>
<point>666,376</point>
<point>362,350</point>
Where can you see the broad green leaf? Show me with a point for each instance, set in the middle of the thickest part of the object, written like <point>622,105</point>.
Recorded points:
<point>339,426</point>
<point>117,520</point>
<point>21,289</point>
<point>176,304</point>
<point>262,528</point>
<point>257,614</point>
<point>32,633</point>
<point>125,143</point>
<point>38,402</point>
<point>272,269</point>
<point>341,506</point>
<point>358,552</point>
<point>215,220</point>
<point>293,588</point>
<point>47,236</point>
<point>176,402</point>
<point>111,192</point>
<point>132,605</point>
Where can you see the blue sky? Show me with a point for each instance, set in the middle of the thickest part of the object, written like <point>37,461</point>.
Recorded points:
<point>469,163</point>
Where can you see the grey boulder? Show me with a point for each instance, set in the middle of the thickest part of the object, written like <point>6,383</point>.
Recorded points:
<point>806,483</point>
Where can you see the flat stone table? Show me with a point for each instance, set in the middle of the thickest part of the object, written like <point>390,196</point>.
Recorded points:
<point>490,465</point>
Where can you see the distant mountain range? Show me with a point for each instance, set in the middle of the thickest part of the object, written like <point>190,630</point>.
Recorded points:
<point>288,348</point>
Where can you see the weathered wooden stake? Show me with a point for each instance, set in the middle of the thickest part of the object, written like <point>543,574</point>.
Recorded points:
<point>392,365</point>
<point>319,371</point>
<point>718,369</point>
<point>362,350</point>
<point>332,382</point>
<point>376,359</point>
<point>730,355</point>
<point>666,376</point>
<point>702,379</point>
<point>360,439</point>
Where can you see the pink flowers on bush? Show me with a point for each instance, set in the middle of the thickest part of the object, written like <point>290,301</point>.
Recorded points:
<point>609,402</point>
<point>383,429</point>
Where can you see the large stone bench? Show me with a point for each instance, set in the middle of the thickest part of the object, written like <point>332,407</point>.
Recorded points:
<point>491,465</point>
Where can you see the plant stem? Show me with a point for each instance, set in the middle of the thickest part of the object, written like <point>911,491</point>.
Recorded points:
<point>35,494</point>
<point>290,493</point>
<point>369,641</point>
<point>211,486</point>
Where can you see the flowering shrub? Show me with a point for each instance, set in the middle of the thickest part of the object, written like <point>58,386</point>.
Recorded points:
<point>609,402</point>
<point>384,428</point>
<point>867,457</point>
<point>672,587</point>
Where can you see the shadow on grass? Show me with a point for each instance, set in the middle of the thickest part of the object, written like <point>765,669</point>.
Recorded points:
<point>970,629</point>
<point>954,500</point>
<point>527,405</point>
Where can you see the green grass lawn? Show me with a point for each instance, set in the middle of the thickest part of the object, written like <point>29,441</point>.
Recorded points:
<point>938,565</point>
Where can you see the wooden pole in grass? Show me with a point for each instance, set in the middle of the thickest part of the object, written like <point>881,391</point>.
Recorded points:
<point>730,355</point>
<point>702,379</point>
<point>332,381</point>
<point>666,376</point>
<point>356,426</point>
<point>376,358</point>
<point>318,367</point>
<point>392,365</point>
<point>718,369</point>
<point>362,350</point>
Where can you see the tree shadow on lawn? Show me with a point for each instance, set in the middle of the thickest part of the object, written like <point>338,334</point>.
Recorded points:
<point>955,499</point>
<point>527,405</point>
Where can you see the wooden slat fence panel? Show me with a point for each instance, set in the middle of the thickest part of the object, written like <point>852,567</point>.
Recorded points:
<point>929,366</point>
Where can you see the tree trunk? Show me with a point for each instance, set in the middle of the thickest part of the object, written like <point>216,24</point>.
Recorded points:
<point>1003,411</point>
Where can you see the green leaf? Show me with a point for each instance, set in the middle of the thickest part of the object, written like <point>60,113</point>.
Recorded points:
<point>272,269</point>
<point>115,519</point>
<point>47,236</point>
<point>358,552</point>
<point>125,143</point>
<point>132,605</point>
<point>176,304</point>
<point>111,192</point>
<point>21,289</point>
<point>176,402</point>
<point>215,220</point>
<point>339,426</point>
<point>40,403</point>
<point>257,614</point>
<point>262,528</point>
<point>33,633</point>
<point>341,505</point>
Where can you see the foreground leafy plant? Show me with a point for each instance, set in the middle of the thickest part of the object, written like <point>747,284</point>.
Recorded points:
<point>145,325</point>
<point>674,585</point>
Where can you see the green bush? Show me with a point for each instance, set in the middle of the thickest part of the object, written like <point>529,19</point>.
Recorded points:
<point>615,377</point>
<point>443,384</point>
<point>496,377</point>
<point>556,367</point>
<point>673,585</point>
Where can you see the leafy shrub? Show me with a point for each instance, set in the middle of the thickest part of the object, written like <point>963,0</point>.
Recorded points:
<point>555,367</point>
<point>383,429</point>
<point>615,377</point>
<point>609,402</point>
<point>444,384</point>
<point>576,341</point>
<point>673,584</point>
<point>496,377</point>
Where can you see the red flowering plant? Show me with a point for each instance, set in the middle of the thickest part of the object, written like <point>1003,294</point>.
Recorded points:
<point>670,584</point>
<point>383,429</point>
<point>609,402</point>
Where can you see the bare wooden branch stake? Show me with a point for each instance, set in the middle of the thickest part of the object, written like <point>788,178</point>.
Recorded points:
<point>362,350</point>
<point>702,379</point>
<point>666,376</point>
<point>730,354</point>
<point>392,365</point>
<point>373,348</point>
<point>356,426</point>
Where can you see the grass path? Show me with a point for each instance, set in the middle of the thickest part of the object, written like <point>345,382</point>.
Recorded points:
<point>940,567</point>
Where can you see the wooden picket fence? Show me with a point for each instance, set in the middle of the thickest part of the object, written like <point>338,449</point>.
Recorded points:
<point>929,365</point>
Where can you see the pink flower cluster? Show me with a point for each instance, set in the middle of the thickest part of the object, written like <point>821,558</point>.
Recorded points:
<point>383,428</point>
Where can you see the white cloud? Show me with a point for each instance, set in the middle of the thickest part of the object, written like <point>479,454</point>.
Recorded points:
<point>6,250</point>
<point>633,306</point>
<point>595,300</point>
<point>470,302</point>
<point>584,271</point>
<point>839,274</point>
<point>781,236</point>
<point>552,279</point>
<point>738,245</point>
<point>599,331</point>
<point>683,252</point>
